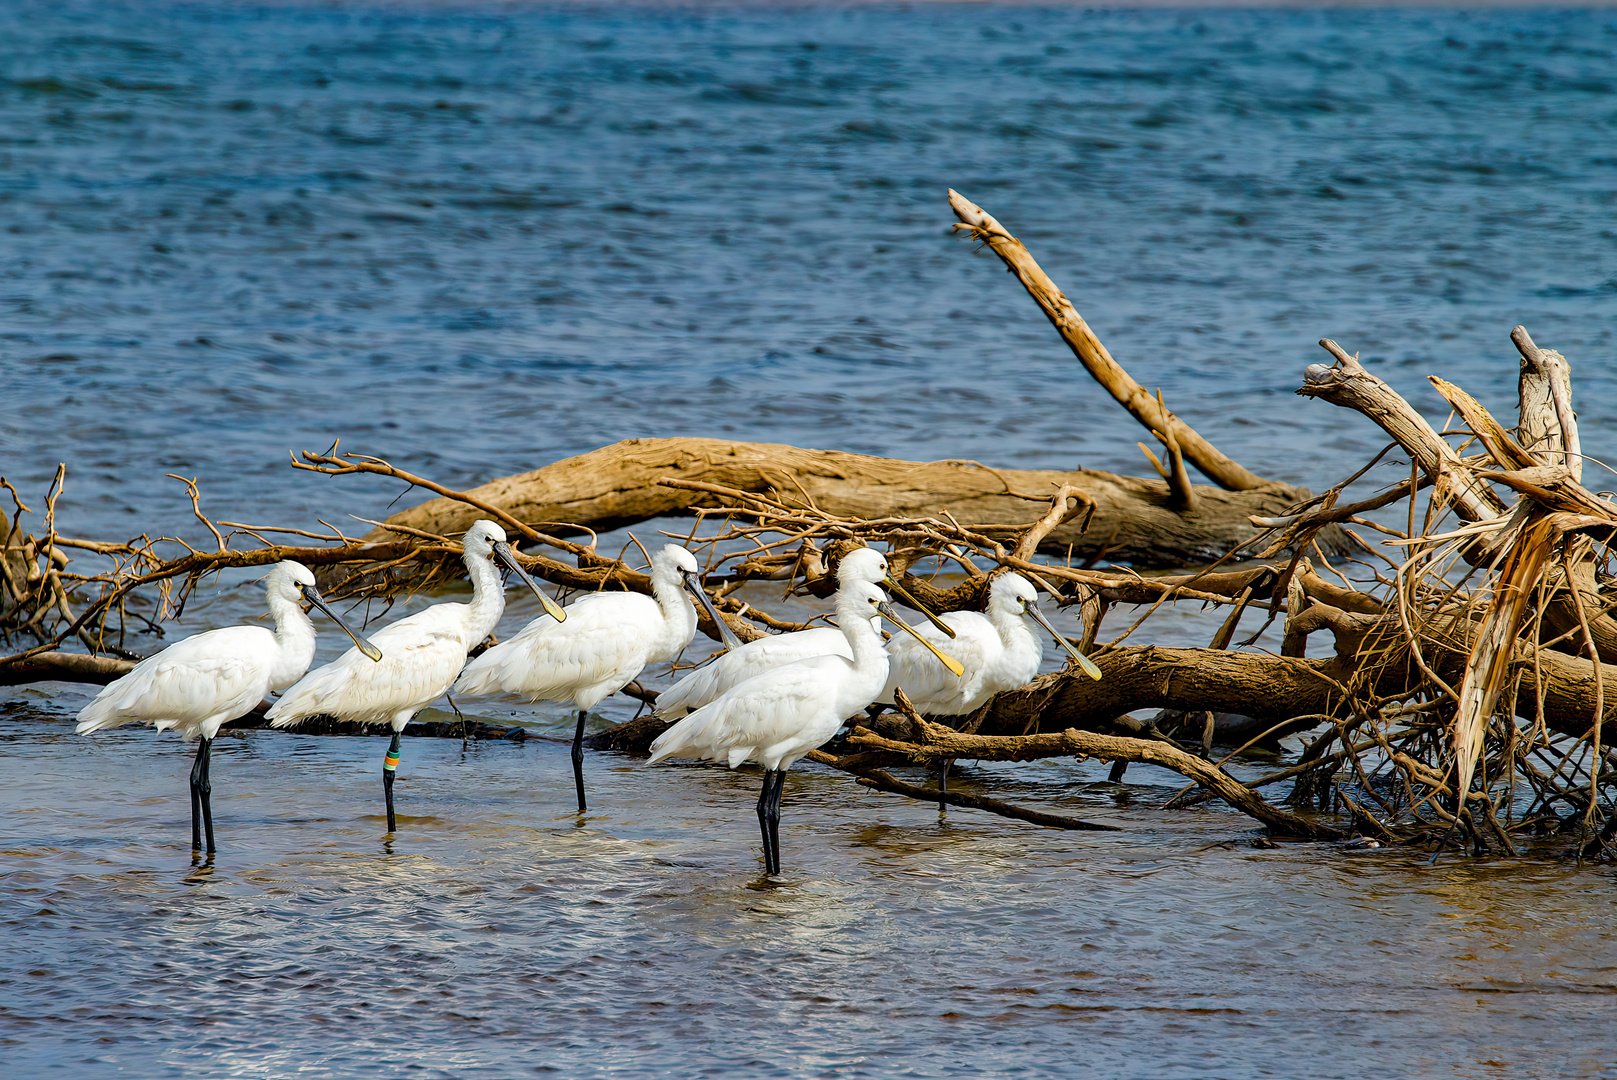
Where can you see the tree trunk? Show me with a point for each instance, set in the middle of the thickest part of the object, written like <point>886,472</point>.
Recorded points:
<point>619,485</point>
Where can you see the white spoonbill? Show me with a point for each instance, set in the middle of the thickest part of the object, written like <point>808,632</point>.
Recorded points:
<point>998,651</point>
<point>198,683</point>
<point>423,654</point>
<point>608,638</point>
<point>756,657</point>
<point>778,716</point>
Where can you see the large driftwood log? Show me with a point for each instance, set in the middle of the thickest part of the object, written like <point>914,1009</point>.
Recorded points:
<point>619,485</point>
<point>1275,688</point>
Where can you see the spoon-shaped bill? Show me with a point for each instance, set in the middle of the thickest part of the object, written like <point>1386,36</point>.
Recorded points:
<point>894,586</point>
<point>312,595</point>
<point>694,584</point>
<point>503,552</point>
<point>1083,661</point>
<point>944,658</point>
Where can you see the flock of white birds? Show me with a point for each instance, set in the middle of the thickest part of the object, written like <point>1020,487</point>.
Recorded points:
<point>768,701</point>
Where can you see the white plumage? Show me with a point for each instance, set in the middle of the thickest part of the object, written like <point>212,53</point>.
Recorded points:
<point>776,717</point>
<point>607,640</point>
<point>765,654</point>
<point>200,682</point>
<point>422,654</point>
<point>998,650</point>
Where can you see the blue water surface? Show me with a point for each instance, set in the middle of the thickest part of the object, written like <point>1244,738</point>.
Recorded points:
<point>475,239</point>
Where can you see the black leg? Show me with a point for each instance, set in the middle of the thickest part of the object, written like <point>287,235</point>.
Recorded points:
<point>390,765</point>
<point>774,816</point>
<point>207,793</point>
<point>201,789</point>
<point>461,717</point>
<point>943,786</point>
<point>763,816</point>
<point>769,818</point>
<point>578,759</point>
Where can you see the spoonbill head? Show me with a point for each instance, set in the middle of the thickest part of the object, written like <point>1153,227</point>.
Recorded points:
<point>742,662</point>
<point>998,649</point>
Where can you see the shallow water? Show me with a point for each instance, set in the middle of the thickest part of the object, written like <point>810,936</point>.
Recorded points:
<point>496,935</point>
<point>477,239</point>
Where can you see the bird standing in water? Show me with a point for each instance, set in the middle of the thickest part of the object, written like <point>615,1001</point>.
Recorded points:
<point>607,640</point>
<point>198,683</point>
<point>776,717</point>
<point>422,655</point>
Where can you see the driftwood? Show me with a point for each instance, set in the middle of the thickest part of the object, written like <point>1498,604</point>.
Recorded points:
<point>1435,678</point>
<point>1178,438</point>
<point>64,667</point>
<point>938,743</point>
<point>622,485</point>
<point>881,780</point>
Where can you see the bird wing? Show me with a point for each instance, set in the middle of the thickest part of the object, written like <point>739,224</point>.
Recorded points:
<point>421,655</point>
<point>600,648</point>
<point>931,687</point>
<point>221,673</point>
<point>781,713</point>
<point>754,658</point>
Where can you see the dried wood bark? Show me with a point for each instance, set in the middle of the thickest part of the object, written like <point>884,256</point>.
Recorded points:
<point>1549,427</point>
<point>942,744</point>
<point>1174,433</point>
<point>60,666</point>
<point>1349,385</point>
<point>618,485</point>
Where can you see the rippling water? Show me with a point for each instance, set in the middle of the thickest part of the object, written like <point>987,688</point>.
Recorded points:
<point>496,937</point>
<point>476,238</point>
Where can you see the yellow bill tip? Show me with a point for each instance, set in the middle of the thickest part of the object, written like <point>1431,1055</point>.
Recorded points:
<point>553,609</point>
